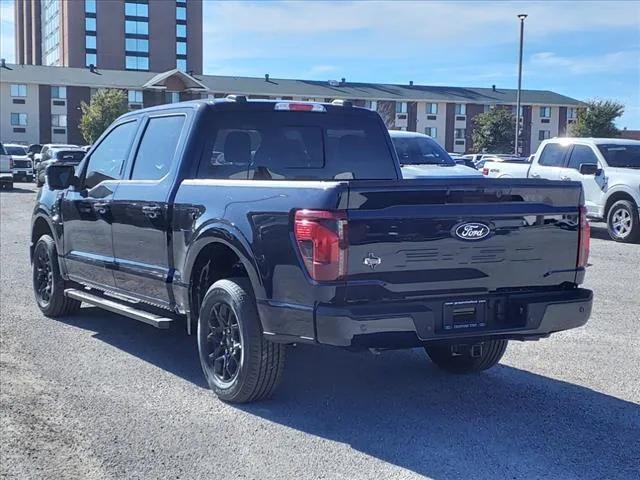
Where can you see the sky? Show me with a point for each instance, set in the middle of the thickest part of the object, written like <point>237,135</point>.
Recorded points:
<point>585,50</point>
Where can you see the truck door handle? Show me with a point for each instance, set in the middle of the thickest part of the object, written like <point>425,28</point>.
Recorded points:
<point>100,207</point>
<point>151,211</point>
<point>535,175</point>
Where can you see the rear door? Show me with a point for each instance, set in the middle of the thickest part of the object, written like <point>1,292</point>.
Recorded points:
<point>427,237</point>
<point>593,185</point>
<point>141,210</point>
<point>549,162</point>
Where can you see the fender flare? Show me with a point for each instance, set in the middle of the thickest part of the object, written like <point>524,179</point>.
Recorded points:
<point>56,231</point>
<point>231,237</point>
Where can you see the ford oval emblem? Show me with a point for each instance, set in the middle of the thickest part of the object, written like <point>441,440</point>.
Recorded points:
<point>472,231</point>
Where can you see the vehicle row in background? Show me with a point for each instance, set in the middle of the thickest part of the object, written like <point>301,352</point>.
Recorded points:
<point>608,168</point>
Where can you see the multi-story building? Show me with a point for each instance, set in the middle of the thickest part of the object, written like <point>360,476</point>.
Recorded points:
<point>145,35</point>
<point>42,104</point>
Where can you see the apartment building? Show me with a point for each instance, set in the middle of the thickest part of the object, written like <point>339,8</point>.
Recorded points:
<point>145,35</point>
<point>42,103</point>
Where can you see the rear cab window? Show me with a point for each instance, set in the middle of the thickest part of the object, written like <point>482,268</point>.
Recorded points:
<point>288,145</point>
<point>553,155</point>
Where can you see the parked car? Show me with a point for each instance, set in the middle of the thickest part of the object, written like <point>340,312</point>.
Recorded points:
<point>421,156</point>
<point>62,155</point>
<point>6,169</point>
<point>33,149</point>
<point>22,164</point>
<point>43,155</point>
<point>266,223</point>
<point>608,168</point>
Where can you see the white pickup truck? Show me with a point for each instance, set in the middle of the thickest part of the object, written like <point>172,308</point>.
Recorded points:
<point>609,169</point>
<point>6,166</point>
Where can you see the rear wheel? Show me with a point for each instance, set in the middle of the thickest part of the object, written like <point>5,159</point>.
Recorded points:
<point>471,358</point>
<point>239,364</point>
<point>48,284</point>
<point>623,222</point>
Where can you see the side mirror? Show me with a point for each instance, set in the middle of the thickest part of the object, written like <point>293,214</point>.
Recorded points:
<point>589,169</point>
<point>60,177</point>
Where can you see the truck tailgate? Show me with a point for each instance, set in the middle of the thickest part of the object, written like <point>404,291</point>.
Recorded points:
<point>425,237</point>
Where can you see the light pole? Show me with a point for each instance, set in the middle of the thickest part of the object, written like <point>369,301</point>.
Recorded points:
<point>522,16</point>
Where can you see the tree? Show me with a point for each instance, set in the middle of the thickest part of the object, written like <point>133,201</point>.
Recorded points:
<point>105,107</point>
<point>494,131</point>
<point>597,119</point>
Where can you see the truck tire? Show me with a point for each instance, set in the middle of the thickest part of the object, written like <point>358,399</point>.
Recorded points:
<point>442,356</point>
<point>240,365</point>
<point>623,222</point>
<point>48,284</point>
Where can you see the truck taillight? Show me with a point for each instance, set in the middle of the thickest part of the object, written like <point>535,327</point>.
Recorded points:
<point>11,163</point>
<point>584,238</point>
<point>485,171</point>
<point>321,237</point>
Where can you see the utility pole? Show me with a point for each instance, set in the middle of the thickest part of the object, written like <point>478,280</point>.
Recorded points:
<point>522,16</point>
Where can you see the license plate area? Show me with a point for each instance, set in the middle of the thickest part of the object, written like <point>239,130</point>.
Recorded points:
<point>464,315</point>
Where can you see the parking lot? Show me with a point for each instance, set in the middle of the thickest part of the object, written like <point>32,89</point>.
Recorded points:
<point>101,396</point>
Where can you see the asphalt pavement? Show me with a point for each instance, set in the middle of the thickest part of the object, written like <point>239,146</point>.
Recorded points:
<point>98,396</point>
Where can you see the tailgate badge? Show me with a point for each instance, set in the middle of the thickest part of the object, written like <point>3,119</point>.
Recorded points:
<point>472,231</point>
<point>372,261</point>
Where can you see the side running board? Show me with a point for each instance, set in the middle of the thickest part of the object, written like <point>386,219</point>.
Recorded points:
<point>120,308</point>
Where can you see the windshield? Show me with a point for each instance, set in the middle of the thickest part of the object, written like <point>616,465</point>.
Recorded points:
<point>15,150</point>
<point>620,155</point>
<point>421,151</point>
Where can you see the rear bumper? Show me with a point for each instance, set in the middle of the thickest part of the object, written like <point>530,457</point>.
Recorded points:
<point>524,316</point>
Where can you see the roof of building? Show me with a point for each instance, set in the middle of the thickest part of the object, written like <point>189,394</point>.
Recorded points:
<point>282,87</point>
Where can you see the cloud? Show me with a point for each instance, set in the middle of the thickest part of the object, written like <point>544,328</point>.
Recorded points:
<point>626,60</point>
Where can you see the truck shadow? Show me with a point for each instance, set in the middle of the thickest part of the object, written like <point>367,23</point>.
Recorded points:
<point>398,408</point>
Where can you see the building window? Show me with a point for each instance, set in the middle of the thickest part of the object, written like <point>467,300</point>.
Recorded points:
<point>572,113</point>
<point>134,27</point>
<point>90,6</point>
<point>136,10</point>
<point>90,24</point>
<point>91,59</point>
<point>136,63</point>
<point>181,13</point>
<point>460,133</point>
<point>137,45</point>
<point>18,90</point>
<point>461,108</point>
<point>19,119</point>
<point>401,107</point>
<point>181,48</point>
<point>58,120</point>
<point>372,105</point>
<point>50,31</point>
<point>181,64</point>
<point>432,108</point>
<point>181,31</point>
<point>172,97</point>
<point>59,92</point>
<point>90,42</point>
<point>135,96</point>
<point>545,112</point>
<point>431,131</point>
<point>544,134</point>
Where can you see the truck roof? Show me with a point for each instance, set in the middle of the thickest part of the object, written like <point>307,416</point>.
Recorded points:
<point>595,141</point>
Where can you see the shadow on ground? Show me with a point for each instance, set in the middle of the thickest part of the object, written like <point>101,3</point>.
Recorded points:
<point>19,190</point>
<point>397,407</point>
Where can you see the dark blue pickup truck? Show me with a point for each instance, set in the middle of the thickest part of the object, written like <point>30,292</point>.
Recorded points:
<point>262,223</point>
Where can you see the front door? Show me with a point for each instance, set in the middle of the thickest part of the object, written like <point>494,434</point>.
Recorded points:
<point>593,185</point>
<point>86,210</point>
<point>141,212</point>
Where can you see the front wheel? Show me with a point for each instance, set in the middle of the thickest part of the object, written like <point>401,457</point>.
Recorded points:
<point>471,358</point>
<point>240,365</point>
<point>623,222</point>
<point>48,284</point>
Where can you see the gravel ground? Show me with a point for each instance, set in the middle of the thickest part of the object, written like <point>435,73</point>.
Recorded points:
<point>101,396</point>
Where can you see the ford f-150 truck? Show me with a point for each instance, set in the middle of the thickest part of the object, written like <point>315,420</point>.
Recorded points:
<point>260,224</point>
<point>608,168</point>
